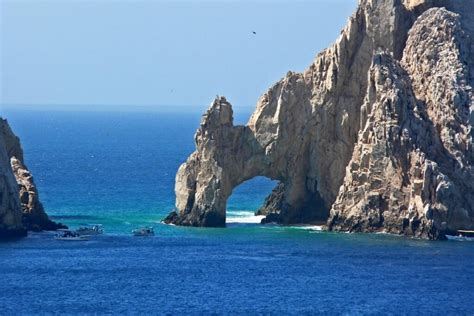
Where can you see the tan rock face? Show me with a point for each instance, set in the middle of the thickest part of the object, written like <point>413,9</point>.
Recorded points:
<point>411,170</point>
<point>437,58</point>
<point>383,140</point>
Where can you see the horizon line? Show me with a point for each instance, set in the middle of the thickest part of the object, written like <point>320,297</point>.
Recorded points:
<point>69,107</point>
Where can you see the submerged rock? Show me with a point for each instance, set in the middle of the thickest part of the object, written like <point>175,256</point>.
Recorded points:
<point>25,207</point>
<point>376,135</point>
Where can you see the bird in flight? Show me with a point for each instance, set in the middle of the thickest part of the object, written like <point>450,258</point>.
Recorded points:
<point>254,33</point>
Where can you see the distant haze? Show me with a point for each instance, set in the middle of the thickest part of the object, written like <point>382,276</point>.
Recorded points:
<point>150,53</point>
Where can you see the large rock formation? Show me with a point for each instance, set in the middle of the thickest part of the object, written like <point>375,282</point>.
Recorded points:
<point>25,207</point>
<point>375,136</point>
<point>411,169</point>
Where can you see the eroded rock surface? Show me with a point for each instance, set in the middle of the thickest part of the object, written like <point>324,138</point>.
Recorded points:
<point>375,136</point>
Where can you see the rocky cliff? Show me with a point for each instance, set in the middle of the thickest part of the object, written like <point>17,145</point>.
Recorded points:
<point>10,207</point>
<point>376,135</point>
<point>20,203</point>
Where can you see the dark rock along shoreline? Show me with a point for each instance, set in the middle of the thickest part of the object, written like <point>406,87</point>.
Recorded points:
<point>375,136</point>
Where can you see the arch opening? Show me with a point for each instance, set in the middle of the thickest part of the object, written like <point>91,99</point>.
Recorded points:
<point>247,198</point>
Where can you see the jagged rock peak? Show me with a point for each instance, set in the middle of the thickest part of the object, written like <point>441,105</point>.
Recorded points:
<point>219,114</point>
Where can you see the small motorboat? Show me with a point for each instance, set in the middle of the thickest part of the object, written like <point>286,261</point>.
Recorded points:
<point>144,231</point>
<point>93,229</point>
<point>69,235</point>
<point>462,235</point>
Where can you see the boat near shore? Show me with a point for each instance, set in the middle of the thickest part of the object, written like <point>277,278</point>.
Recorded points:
<point>463,235</point>
<point>69,235</point>
<point>144,231</point>
<point>92,229</point>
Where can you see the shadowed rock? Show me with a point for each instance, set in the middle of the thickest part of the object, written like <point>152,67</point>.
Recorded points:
<point>10,208</point>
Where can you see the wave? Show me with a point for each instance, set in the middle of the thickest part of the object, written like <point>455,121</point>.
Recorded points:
<point>250,219</point>
<point>308,227</point>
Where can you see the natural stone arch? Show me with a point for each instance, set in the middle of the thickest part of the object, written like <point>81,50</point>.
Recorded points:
<point>229,155</point>
<point>374,129</point>
<point>302,132</point>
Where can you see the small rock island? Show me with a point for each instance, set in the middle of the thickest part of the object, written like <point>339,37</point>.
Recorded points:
<point>20,208</point>
<point>375,136</point>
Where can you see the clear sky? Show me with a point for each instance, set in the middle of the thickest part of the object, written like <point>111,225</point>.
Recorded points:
<point>152,53</point>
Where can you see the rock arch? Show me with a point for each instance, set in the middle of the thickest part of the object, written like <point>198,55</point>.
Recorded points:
<point>378,130</point>
<point>229,155</point>
<point>302,132</point>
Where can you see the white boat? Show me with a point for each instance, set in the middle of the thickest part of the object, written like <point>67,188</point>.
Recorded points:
<point>144,231</point>
<point>69,235</point>
<point>463,235</point>
<point>93,229</point>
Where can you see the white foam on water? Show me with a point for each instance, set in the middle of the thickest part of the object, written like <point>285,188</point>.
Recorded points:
<point>250,219</point>
<point>240,213</point>
<point>313,228</point>
<point>163,223</point>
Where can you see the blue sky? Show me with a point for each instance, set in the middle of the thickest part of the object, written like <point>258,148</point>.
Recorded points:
<point>151,53</point>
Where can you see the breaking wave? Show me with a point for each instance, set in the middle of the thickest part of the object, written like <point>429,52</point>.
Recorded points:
<point>244,217</point>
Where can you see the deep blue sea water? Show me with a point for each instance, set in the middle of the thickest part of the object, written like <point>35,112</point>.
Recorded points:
<point>117,169</point>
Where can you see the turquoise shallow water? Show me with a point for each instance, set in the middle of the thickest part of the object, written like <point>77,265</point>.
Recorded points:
<point>118,170</point>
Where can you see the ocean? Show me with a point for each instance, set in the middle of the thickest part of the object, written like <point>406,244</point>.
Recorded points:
<point>117,169</point>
